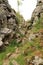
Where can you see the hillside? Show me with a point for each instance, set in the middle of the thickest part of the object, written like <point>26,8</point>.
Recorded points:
<point>21,42</point>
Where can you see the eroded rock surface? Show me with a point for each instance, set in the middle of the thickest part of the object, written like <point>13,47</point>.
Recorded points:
<point>8,22</point>
<point>38,12</point>
<point>35,60</point>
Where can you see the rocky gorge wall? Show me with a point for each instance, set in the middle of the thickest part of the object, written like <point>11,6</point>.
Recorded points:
<point>38,11</point>
<point>8,23</point>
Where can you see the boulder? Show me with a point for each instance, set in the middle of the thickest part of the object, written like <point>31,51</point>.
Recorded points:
<point>35,60</point>
<point>5,31</point>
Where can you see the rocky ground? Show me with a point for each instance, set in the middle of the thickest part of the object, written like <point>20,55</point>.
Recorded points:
<point>21,43</point>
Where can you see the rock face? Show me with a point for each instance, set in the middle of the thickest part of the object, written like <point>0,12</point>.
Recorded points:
<point>38,12</point>
<point>35,60</point>
<point>8,22</point>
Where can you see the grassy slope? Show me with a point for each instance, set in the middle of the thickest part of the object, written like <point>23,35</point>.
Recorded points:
<point>27,46</point>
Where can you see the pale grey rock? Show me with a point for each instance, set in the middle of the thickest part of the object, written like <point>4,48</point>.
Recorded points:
<point>1,43</point>
<point>0,39</point>
<point>5,31</point>
<point>38,12</point>
<point>31,37</point>
<point>40,1</point>
<point>6,43</point>
<point>8,23</point>
<point>37,60</point>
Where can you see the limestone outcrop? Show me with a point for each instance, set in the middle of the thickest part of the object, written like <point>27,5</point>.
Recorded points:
<point>38,12</point>
<point>8,23</point>
<point>35,60</point>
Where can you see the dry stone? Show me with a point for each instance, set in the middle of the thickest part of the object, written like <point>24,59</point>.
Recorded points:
<point>38,11</point>
<point>8,23</point>
<point>35,60</point>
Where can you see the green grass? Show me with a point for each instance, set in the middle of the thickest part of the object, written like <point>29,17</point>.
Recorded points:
<point>38,25</point>
<point>10,63</point>
<point>9,49</point>
<point>20,59</point>
<point>3,54</point>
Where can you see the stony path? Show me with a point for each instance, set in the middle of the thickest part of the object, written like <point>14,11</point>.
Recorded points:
<point>6,62</point>
<point>9,56</point>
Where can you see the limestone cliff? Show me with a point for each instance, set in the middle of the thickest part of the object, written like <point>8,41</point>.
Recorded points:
<point>8,22</point>
<point>38,12</point>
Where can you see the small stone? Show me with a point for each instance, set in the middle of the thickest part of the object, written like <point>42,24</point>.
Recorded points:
<point>1,43</point>
<point>8,55</point>
<point>6,43</point>
<point>14,62</point>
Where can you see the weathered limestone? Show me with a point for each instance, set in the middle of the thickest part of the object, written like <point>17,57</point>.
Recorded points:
<point>35,60</point>
<point>8,23</point>
<point>1,43</point>
<point>38,12</point>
